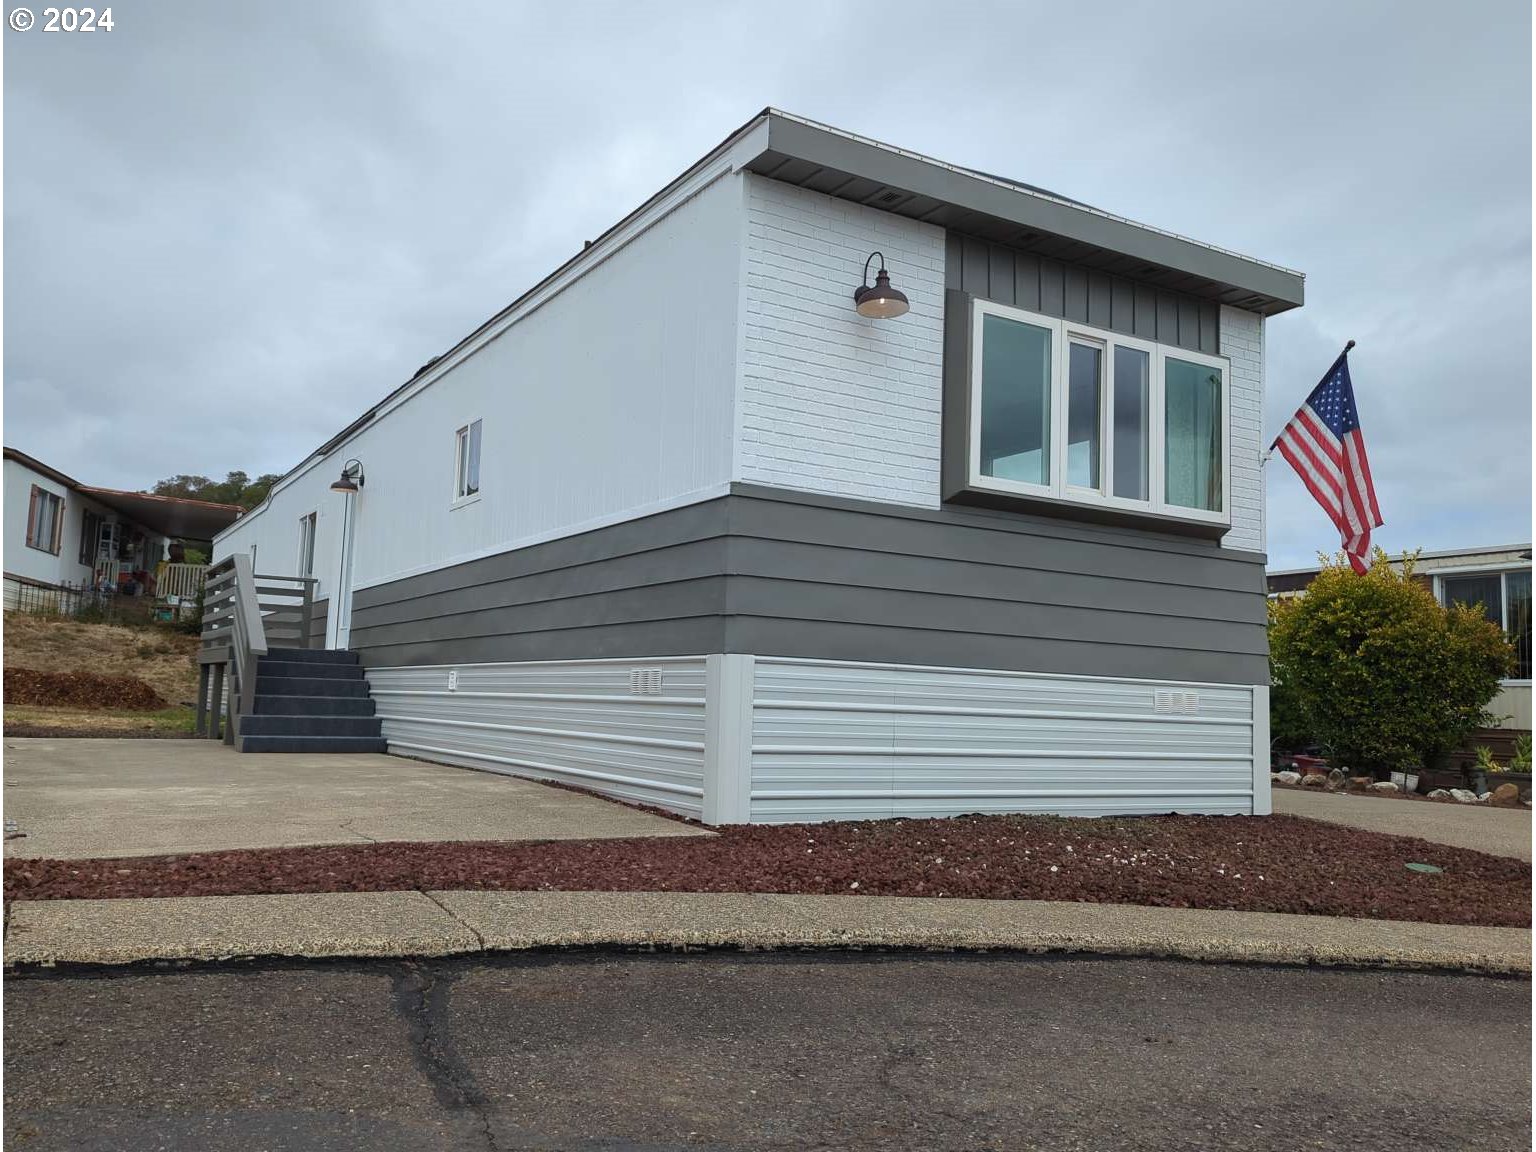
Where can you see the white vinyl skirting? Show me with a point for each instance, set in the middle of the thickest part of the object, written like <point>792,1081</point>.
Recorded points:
<point>736,738</point>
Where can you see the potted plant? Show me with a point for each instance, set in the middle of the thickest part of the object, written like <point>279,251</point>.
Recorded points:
<point>1477,772</point>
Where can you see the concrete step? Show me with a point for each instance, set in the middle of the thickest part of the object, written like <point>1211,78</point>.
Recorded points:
<point>314,706</point>
<point>312,744</point>
<point>274,725</point>
<point>313,655</point>
<point>309,686</point>
<point>311,669</point>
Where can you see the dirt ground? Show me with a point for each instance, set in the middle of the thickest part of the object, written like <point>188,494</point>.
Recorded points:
<point>163,659</point>
<point>34,720</point>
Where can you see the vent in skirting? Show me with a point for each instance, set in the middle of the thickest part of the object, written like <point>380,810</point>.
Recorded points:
<point>645,681</point>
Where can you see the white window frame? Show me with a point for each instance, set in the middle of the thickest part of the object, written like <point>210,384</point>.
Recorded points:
<point>37,499</point>
<point>1499,570</point>
<point>461,446</point>
<point>1058,490</point>
<point>309,528</point>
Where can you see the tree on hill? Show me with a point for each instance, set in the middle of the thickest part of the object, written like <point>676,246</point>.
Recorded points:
<point>235,488</point>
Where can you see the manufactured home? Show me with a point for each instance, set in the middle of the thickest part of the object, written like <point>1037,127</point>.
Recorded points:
<point>832,482</point>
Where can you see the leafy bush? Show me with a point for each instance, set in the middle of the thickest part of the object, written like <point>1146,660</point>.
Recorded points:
<point>1374,667</point>
<point>1521,761</point>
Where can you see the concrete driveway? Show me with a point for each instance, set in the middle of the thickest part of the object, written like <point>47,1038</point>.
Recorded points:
<point>1498,831</point>
<point>76,799</point>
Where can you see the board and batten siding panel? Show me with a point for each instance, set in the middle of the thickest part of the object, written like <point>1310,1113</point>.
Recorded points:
<point>574,722</point>
<point>830,401</point>
<point>860,741</point>
<point>1035,283</point>
<point>611,399</point>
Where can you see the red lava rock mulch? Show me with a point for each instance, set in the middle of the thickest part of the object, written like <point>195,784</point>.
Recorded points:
<point>80,690</point>
<point>1263,864</point>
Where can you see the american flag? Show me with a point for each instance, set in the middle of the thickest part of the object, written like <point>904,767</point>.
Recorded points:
<point>1323,442</point>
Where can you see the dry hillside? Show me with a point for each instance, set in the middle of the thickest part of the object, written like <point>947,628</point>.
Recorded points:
<point>162,658</point>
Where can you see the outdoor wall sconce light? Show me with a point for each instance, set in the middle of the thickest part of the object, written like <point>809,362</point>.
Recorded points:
<point>881,302</point>
<point>351,478</point>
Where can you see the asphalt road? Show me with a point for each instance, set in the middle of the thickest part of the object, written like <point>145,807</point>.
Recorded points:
<point>745,1052</point>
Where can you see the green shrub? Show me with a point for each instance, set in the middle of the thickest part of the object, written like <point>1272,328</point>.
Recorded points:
<point>1375,668</point>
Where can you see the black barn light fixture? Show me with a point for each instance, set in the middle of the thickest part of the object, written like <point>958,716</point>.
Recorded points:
<point>351,478</point>
<point>882,302</point>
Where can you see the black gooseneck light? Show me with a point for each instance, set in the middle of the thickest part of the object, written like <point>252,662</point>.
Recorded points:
<point>881,302</point>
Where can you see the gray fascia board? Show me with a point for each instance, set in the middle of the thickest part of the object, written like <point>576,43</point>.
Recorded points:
<point>789,137</point>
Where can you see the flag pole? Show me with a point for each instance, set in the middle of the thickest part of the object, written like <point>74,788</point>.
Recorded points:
<point>1265,459</point>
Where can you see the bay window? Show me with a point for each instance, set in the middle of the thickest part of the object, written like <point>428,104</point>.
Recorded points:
<point>1064,412</point>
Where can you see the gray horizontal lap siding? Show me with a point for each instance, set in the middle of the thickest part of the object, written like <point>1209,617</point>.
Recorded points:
<point>1004,275</point>
<point>786,574</point>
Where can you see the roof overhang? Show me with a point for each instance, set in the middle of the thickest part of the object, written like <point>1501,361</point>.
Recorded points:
<point>168,515</point>
<point>877,175</point>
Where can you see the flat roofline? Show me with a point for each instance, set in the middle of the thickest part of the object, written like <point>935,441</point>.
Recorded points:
<point>1443,554</point>
<point>1274,287</point>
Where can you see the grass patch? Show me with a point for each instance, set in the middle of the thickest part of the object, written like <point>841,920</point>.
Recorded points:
<point>108,722</point>
<point>164,659</point>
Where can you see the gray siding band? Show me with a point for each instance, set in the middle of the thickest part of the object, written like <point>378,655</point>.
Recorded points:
<point>791,574</point>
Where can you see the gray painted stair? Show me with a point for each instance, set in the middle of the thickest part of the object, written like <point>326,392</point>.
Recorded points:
<point>311,700</point>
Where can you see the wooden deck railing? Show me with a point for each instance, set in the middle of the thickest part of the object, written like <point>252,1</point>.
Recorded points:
<point>243,615</point>
<point>179,580</point>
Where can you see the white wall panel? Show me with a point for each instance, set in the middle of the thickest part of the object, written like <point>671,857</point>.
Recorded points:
<point>831,401</point>
<point>611,399</point>
<point>860,741</point>
<point>576,722</point>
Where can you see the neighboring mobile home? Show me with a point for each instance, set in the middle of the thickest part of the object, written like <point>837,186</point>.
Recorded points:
<point>682,526</point>
<point>66,542</point>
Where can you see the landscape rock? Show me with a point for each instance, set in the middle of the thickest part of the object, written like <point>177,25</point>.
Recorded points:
<point>1440,794</point>
<point>1506,794</point>
<point>1360,783</point>
<point>1314,780</point>
<point>1336,780</point>
<point>1288,777</point>
<point>1483,797</point>
<point>1384,786</point>
<point>1462,796</point>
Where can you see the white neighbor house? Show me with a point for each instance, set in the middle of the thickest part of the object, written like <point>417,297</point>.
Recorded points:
<point>682,526</point>
<point>62,536</point>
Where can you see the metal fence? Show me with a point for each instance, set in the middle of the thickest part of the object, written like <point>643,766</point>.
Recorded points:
<point>66,600</point>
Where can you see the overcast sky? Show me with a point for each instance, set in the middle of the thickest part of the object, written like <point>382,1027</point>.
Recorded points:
<point>229,228</point>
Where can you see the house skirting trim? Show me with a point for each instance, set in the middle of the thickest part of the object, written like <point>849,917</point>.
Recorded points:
<point>735,738</point>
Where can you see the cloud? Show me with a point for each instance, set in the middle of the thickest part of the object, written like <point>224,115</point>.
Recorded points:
<point>230,230</point>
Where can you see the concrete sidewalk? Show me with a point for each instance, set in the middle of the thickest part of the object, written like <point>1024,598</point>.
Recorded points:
<point>446,923</point>
<point>1497,831</point>
<point>78,799</point>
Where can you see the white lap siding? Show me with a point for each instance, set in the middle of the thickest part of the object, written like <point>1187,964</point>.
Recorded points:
<point>859,741</point>
<point>590,723</point>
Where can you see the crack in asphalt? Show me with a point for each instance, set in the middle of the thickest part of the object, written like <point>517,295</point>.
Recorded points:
<point>421,997</point>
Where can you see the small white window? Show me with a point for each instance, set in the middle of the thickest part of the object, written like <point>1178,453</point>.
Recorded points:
<point>45,520</point>
<point>466,468</point>
<point>307,525</point>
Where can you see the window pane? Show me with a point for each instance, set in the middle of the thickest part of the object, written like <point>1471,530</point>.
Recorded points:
<point>1517,590</point>
<point>1487,590</point>
<point>1015,400</point>
<point>460,460</point>
<point>473,470</point>
<point>1192,438</point>
<point>1085,375</point>
<point>1133,372</point>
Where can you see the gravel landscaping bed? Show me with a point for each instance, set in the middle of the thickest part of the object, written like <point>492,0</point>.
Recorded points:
<point>1261,864</point>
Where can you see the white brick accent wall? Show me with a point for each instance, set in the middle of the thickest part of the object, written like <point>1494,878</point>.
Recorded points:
<point>1242,342</point>
<point>829,401</point>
